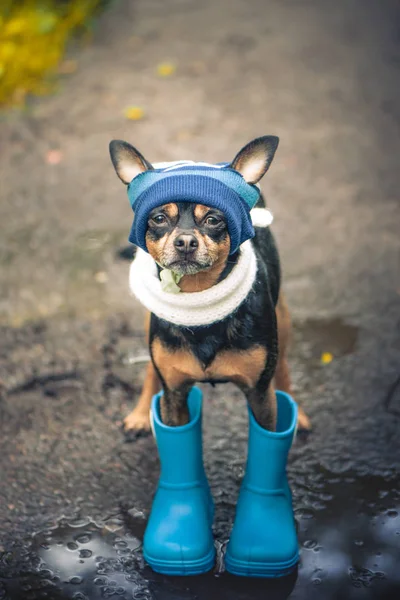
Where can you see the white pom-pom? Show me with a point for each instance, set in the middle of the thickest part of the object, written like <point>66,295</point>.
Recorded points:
<point>261,217</point>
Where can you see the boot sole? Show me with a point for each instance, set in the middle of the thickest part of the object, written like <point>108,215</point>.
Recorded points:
<point>189,567</point>
<point>244,568</point>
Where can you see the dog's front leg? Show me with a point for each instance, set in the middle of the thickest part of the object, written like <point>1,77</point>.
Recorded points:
<point>173,405</point>
<point>262,401</point>
<point>282,378</point>
<point>177,370</point>
<point>139,418</point>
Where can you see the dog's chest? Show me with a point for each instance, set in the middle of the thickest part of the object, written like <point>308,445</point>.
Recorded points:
<point>177,366</point>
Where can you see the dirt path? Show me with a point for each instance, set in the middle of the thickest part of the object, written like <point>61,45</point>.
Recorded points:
<point>324,77</point>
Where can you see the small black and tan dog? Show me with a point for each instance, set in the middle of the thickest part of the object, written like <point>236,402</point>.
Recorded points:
<point>249,346</point>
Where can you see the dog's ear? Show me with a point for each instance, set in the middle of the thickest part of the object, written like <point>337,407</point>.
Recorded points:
<point>127,161</point>
<point>253,161</point>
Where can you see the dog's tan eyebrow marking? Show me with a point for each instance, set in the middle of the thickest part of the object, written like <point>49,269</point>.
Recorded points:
<point>171,210</point>
<point>200,211</point>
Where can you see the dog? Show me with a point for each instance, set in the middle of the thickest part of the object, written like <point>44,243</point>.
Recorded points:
<point>191,242</point>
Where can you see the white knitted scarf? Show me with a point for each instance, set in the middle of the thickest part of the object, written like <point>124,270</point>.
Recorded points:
<point>191,309</point>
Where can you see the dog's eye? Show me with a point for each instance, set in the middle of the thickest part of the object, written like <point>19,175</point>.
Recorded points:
<point>159,219</point>
<point>213,221</point>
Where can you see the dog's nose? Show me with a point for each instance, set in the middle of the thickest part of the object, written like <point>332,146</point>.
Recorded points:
<point>185,243</point>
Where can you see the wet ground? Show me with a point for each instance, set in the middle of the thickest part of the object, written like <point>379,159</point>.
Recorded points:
<point>74,494</point>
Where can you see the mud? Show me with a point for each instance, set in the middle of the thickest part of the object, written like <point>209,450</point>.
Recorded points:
<point>347,501</point>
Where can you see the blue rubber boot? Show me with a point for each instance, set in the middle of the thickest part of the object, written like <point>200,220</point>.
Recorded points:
<point>178,539</point>
<point>263,542</point>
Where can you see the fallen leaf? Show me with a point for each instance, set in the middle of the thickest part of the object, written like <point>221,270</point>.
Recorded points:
<point>109,99</point>
<point>67,67</point>
<point>54,157</point>
<point>197,67</point>
<point>135,41</point>
<point>183,135</point>
<point>166,69</point>
<point>101,277</point>
<point>134,113</point>
<point>326,358</point>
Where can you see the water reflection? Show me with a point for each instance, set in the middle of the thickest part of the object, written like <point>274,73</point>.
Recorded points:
<point>348,526</point>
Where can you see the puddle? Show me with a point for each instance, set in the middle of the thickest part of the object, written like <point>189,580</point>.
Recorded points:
<point>392,402</point>
<point>311,340</point>
<point>325,335</point>
<point>76,559</point>
<point>348,528</point>
<point>349,531</point>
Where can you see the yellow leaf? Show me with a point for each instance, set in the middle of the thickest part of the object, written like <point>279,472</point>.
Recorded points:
<point>166,69</point>
<point>134,113</point>
<point>326,358</point>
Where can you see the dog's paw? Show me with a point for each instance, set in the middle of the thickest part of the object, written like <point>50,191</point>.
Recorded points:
<point>137,421</point>
<point>303,422</point>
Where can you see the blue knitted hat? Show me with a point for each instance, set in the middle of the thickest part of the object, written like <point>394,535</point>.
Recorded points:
<point>218,186</point>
